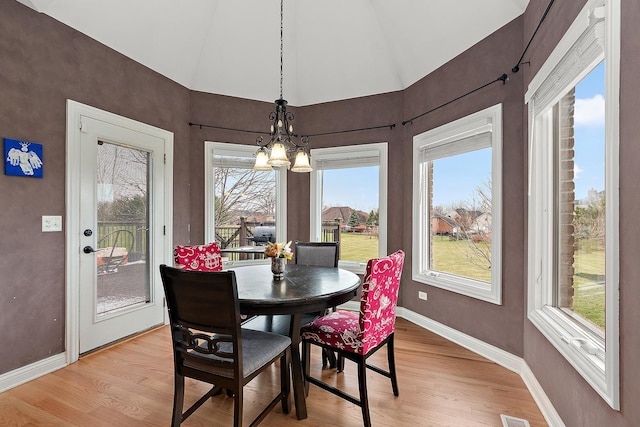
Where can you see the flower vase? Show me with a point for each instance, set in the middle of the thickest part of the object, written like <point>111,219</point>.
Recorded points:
<point>277,267</point>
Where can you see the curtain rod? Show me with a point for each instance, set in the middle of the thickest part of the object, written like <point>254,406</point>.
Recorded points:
<point>226,128</point>
<point>503,78</point>
<point>391,126</point>
<point>516,68</point>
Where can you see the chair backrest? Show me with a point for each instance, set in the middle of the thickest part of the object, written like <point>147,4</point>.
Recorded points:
<point>205,319</point>
<point>379,299</point>
<point>198,257</point>
<point>323,254</point>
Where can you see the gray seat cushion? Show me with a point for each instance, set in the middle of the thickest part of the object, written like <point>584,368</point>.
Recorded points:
<point>258,348</point>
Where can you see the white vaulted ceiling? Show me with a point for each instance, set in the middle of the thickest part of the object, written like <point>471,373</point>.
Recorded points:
<point>333,49</point>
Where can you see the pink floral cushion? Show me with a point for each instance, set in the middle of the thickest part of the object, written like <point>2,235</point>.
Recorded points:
<point>198,257</point>
<point>361,332</point>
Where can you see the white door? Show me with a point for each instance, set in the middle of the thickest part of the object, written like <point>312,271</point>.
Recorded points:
<point>120,231</point>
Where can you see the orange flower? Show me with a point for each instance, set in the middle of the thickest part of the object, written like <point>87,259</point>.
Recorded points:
<point>279,250</point>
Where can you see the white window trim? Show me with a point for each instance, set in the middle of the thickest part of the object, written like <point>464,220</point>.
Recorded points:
<point>489,119</point>
<point>582,349</point>
<point>210,148</point>
<point>349,156</point>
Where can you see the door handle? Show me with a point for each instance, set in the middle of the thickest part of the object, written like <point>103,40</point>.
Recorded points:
<point>88,250</point>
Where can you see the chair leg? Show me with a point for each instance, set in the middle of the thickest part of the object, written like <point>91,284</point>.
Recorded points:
<point>285,385</point>
<point>178,400</point>
<point>362,385</point>
<point>340,363</point>
<point>392,365</point>
<point>237,407</point>
<point>328,359</point>
<point>306,365</point>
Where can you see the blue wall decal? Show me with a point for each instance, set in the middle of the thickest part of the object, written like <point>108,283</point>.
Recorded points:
<point>22,158</point>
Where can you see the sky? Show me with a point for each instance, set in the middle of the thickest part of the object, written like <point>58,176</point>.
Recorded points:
<point>457,178</point>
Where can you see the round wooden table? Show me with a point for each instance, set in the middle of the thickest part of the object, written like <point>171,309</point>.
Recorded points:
<point>304,289</point>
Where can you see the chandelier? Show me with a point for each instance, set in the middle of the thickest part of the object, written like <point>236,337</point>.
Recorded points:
<point>282,144</point>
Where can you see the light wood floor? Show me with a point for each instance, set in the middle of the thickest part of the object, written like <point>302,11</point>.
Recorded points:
<point>131,384</point>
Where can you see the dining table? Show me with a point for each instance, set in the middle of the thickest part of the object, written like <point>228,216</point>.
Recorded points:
<point>303,289</point>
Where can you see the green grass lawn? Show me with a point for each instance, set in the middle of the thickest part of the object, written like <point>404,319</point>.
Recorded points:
<point>588,285</point>
<point>358,247</point>
<point>456,257</point>
<point>453,256</point>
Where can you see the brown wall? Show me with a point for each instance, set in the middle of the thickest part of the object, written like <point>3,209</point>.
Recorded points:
<point>44,63</point>
<point>575,401</point>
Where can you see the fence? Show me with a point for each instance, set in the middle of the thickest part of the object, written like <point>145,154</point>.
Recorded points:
<point>134,235</point>
<point>130,235</point>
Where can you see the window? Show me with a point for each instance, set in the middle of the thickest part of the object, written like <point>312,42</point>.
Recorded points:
<point>573,198</point>
<point>349,201</point>
<point>457,205</point>
<point>242,207</point>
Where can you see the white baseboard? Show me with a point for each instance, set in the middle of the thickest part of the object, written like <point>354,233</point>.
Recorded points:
<point>495,354</point>
<point>31,372</point>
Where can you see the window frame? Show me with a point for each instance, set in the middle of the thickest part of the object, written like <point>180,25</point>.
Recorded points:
<point>350,156</point>
<point>453,133</point>
<point>598,38</point>
<point>211,149</point>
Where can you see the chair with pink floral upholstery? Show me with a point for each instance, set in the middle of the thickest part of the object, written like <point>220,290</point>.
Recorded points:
<point>198,257</point>
<point>356,336</point>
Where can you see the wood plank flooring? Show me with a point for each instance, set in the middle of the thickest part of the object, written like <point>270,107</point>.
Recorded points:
<point>131,384</point>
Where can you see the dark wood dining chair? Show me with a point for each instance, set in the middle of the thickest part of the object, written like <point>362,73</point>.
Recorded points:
<point>210,345</point>
<point>322,254</point>
<point>356,336</point>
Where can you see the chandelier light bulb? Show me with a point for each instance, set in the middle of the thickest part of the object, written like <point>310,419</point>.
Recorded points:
<point>278,156</point>
<point>302,162</point>
<point>262,160</point>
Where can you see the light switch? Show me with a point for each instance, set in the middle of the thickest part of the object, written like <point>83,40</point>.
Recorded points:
<point>51,223</point>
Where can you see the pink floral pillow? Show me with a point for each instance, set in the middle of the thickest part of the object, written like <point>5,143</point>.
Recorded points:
<point>198,257</point>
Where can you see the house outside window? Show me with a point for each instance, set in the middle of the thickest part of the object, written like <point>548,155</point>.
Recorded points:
<point>457,205</point>
<point>349,201</point>
<point>573,198</point>
<point>243,207</point>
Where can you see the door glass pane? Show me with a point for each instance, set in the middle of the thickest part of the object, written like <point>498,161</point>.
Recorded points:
<point>350,206</point>
<point>580,200</point>
<point>122,195</point>
<point>460,215</point>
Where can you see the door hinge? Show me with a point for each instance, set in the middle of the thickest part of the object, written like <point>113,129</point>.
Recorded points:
<point>164,230</point>
<point>82,127</point>
<point>165,159</point>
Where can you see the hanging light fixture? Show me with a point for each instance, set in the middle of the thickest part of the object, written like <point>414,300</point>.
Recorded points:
<point>275,153</point>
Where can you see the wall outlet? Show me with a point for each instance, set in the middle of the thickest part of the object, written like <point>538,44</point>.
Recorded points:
<point>51,223</point>
<point>422,295</point>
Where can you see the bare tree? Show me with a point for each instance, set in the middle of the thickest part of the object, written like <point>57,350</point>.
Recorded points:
<point>474,225</point>
<point>242,191</point>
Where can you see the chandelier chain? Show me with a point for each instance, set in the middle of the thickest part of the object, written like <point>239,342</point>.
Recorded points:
<point>281,43</point>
